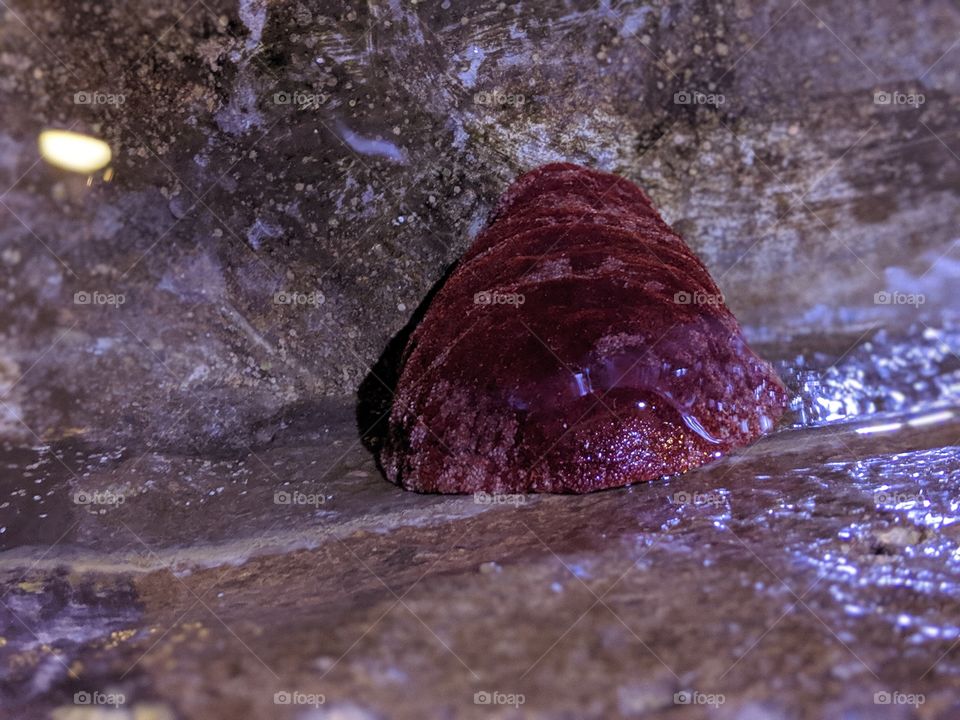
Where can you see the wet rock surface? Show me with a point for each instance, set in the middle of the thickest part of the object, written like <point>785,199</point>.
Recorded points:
<point>797,578</point>
<point>190,517</point>
<point>291,178</point>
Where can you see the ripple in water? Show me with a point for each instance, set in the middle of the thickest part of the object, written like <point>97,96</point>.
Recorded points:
<point>890,373</point>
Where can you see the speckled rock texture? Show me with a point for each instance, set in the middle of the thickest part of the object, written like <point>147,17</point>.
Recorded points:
<point>580,345</point>
<point>189,517</point>
<point>798,579</point>
<point>291,177</point>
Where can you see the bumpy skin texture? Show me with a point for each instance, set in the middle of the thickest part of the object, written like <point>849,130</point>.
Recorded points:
<point>579,345</point>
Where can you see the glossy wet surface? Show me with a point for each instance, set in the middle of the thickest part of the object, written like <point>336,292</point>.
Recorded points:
<point>584,347</point>
<point>188,517</point>
<point>796,578</point>
<point>290,178</point>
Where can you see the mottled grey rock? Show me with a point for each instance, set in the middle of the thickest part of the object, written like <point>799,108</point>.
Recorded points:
<point>345,156</point>
<point>188,515</point>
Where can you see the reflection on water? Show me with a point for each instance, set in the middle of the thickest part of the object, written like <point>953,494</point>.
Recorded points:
<point>850,506</point>
<point>860,488</point>
<point>890,372</point>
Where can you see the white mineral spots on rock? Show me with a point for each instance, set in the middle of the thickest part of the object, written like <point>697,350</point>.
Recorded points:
<point>532,143</point>
<point>634,21</point>
<point>102,345</point>
<point>410,19</point>
<point>240,115</point>
<point>198,374</point>
<point>341,49</point>
<point>375,147</point>
<point>516,33</point>
<point>262,229</point>
<point>10,410</point>
<point>254,16</point>
<point>460,134</point>
<point>477,223</point>
<point>474,55</point>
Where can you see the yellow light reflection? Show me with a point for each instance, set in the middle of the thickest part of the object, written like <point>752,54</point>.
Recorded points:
<point>74,151</point>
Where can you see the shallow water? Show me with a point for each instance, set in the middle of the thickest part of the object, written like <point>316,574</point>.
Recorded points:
<point>897,389</point>
<point>898,371</point>
<point>831,549</point>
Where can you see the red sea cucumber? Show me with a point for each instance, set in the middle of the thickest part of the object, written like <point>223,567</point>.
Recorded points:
<point>579,345</point>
